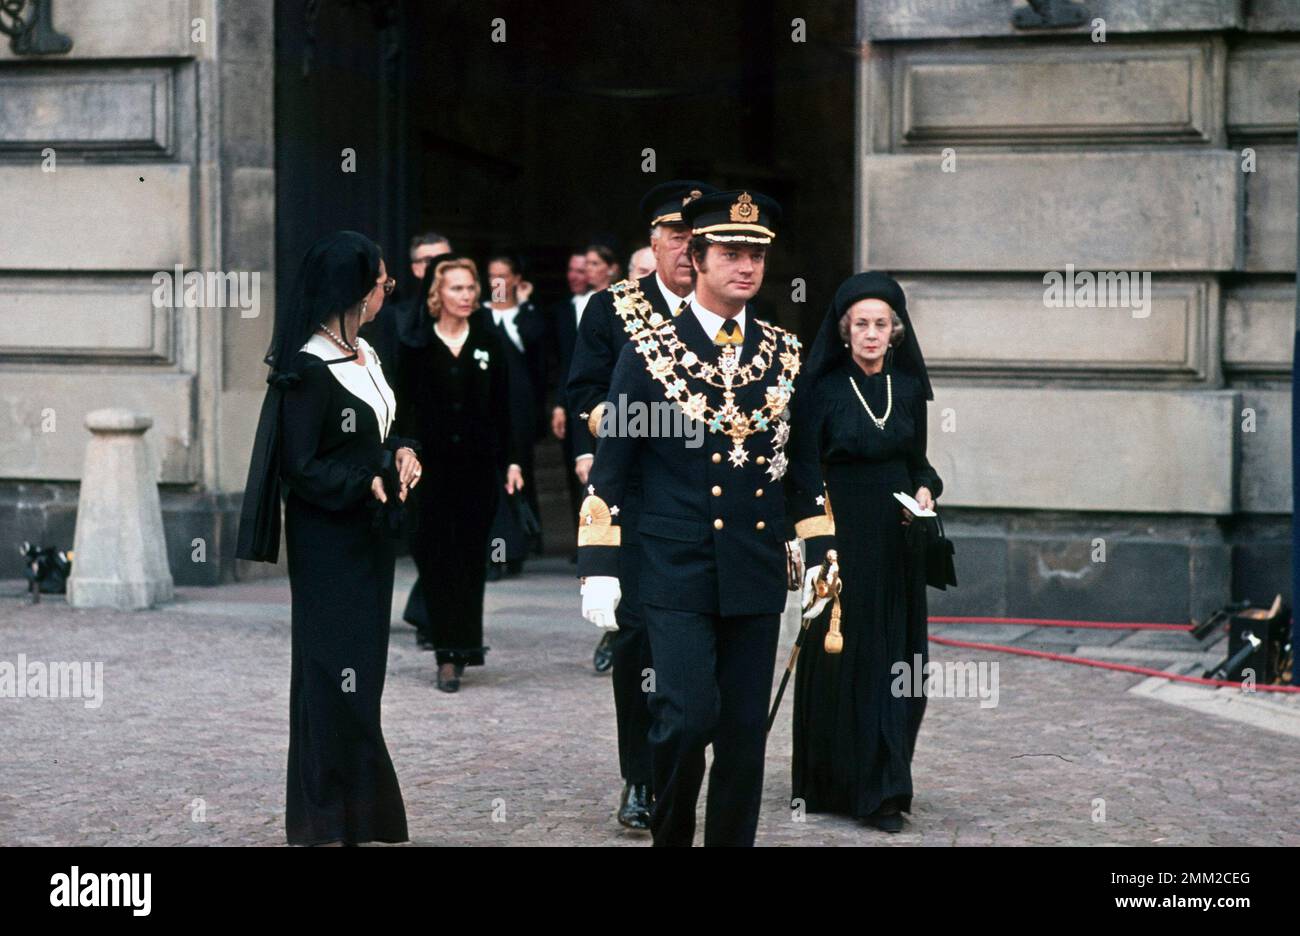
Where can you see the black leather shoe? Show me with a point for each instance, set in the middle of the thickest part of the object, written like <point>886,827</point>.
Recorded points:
<point>885,821</point>
<point>603,658</point>
<point>634,808</point>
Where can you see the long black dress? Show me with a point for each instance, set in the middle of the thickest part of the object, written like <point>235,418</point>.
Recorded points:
<point>341,782</point>
<point>853,739</point>
<point>458,406</point>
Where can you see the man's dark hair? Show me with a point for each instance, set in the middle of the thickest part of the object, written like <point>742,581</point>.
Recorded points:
<point>697,248</point>
<point>432,238</point>
<point>508,258</point>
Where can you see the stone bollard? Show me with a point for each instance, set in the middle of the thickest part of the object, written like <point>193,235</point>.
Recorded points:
<point>120,554</point>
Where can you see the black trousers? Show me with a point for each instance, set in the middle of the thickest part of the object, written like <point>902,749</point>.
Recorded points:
<point>713,680</point>
<point>630,646</point>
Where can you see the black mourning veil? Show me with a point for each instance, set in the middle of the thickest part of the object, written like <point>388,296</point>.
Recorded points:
<point>828,351</point>
<point>337,273</point>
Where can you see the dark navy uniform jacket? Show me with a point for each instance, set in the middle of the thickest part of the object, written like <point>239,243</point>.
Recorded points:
<point>601,336</point>
<point>712,535</point>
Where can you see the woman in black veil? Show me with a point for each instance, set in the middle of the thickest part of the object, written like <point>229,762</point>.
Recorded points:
<point>853,737</point>
<point>324,443</point>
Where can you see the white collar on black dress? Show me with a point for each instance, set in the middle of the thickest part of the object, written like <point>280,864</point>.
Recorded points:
<point>366,382</point>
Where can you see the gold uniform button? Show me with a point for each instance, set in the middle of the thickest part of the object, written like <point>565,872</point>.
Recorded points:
<point>760,525</point>
<point>761,460</point>
<point>758,493</point>
<point>717,491</point>
<point>717,457</point>
<point>717,524</point>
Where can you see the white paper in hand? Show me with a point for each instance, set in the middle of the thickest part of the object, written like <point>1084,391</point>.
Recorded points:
<point>910,503</point>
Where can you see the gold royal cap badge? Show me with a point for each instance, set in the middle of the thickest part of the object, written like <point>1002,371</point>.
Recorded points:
<point>744,211</point>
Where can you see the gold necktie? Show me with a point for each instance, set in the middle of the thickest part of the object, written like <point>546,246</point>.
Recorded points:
<point>729,334</point>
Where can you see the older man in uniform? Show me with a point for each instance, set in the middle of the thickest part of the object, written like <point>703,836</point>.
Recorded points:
<point>610,320</point>
<point>713,522</point>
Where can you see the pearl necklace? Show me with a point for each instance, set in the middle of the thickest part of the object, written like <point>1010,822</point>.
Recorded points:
<point>889,400</point>
<point>351,349</point>
<point>452,343</point>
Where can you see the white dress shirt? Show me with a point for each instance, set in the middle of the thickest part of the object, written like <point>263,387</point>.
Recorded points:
<point>579,301</point>
<point>508,316</point>
<point>671,297</point>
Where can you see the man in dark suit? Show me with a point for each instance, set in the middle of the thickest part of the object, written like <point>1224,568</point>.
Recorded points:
<point>522,329</point>
<point>716,509</point>
<point>562,320</point>
<point>613,315</point>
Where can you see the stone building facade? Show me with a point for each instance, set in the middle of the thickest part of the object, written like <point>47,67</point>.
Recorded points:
<point>1101,461</point>
<point>994,151</point>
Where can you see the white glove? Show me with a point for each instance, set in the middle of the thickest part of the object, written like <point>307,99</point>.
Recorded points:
<point>600,597</point>
<point>810,595</point>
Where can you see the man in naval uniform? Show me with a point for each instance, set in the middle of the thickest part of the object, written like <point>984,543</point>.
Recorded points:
<point>713,522</point>
<point>610,319</point>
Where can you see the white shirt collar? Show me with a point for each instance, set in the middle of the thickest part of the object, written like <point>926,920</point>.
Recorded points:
<point>671,297</point>
<point>711,321</point>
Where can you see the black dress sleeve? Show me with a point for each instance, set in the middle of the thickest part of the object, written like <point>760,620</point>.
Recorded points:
<point>323,481</point>
<point>918,465</point>
<point>804,487</point>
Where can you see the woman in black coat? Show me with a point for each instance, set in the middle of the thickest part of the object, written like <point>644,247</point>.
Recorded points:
<point>853,736</point>
<point>455,398</point>
<point>324,439</point>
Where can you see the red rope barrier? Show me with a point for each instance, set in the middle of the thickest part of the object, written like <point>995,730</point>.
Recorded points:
<point>1102,664</point>
<point>1056,622</point>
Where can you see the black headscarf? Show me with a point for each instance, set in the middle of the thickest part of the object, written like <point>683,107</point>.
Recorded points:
<point>337,273</point>
<point>829,351</point>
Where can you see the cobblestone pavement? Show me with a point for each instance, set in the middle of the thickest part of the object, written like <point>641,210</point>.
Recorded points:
<point>193,726</point>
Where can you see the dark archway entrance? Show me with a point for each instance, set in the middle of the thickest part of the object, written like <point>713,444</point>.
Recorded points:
<point>537,143</point>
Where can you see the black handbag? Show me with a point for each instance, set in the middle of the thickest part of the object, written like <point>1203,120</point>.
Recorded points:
<point>940,571</point>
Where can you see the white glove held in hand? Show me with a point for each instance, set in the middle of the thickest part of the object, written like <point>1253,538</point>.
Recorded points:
<point>600,597</point>
<point>812,605</point>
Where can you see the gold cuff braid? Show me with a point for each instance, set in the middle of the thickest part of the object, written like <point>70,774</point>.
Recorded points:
<point>593,420</point>
<point>595,524</point>
<point>814,526</point>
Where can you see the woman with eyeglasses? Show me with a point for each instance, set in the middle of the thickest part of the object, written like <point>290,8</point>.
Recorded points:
<point>325,441</point>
